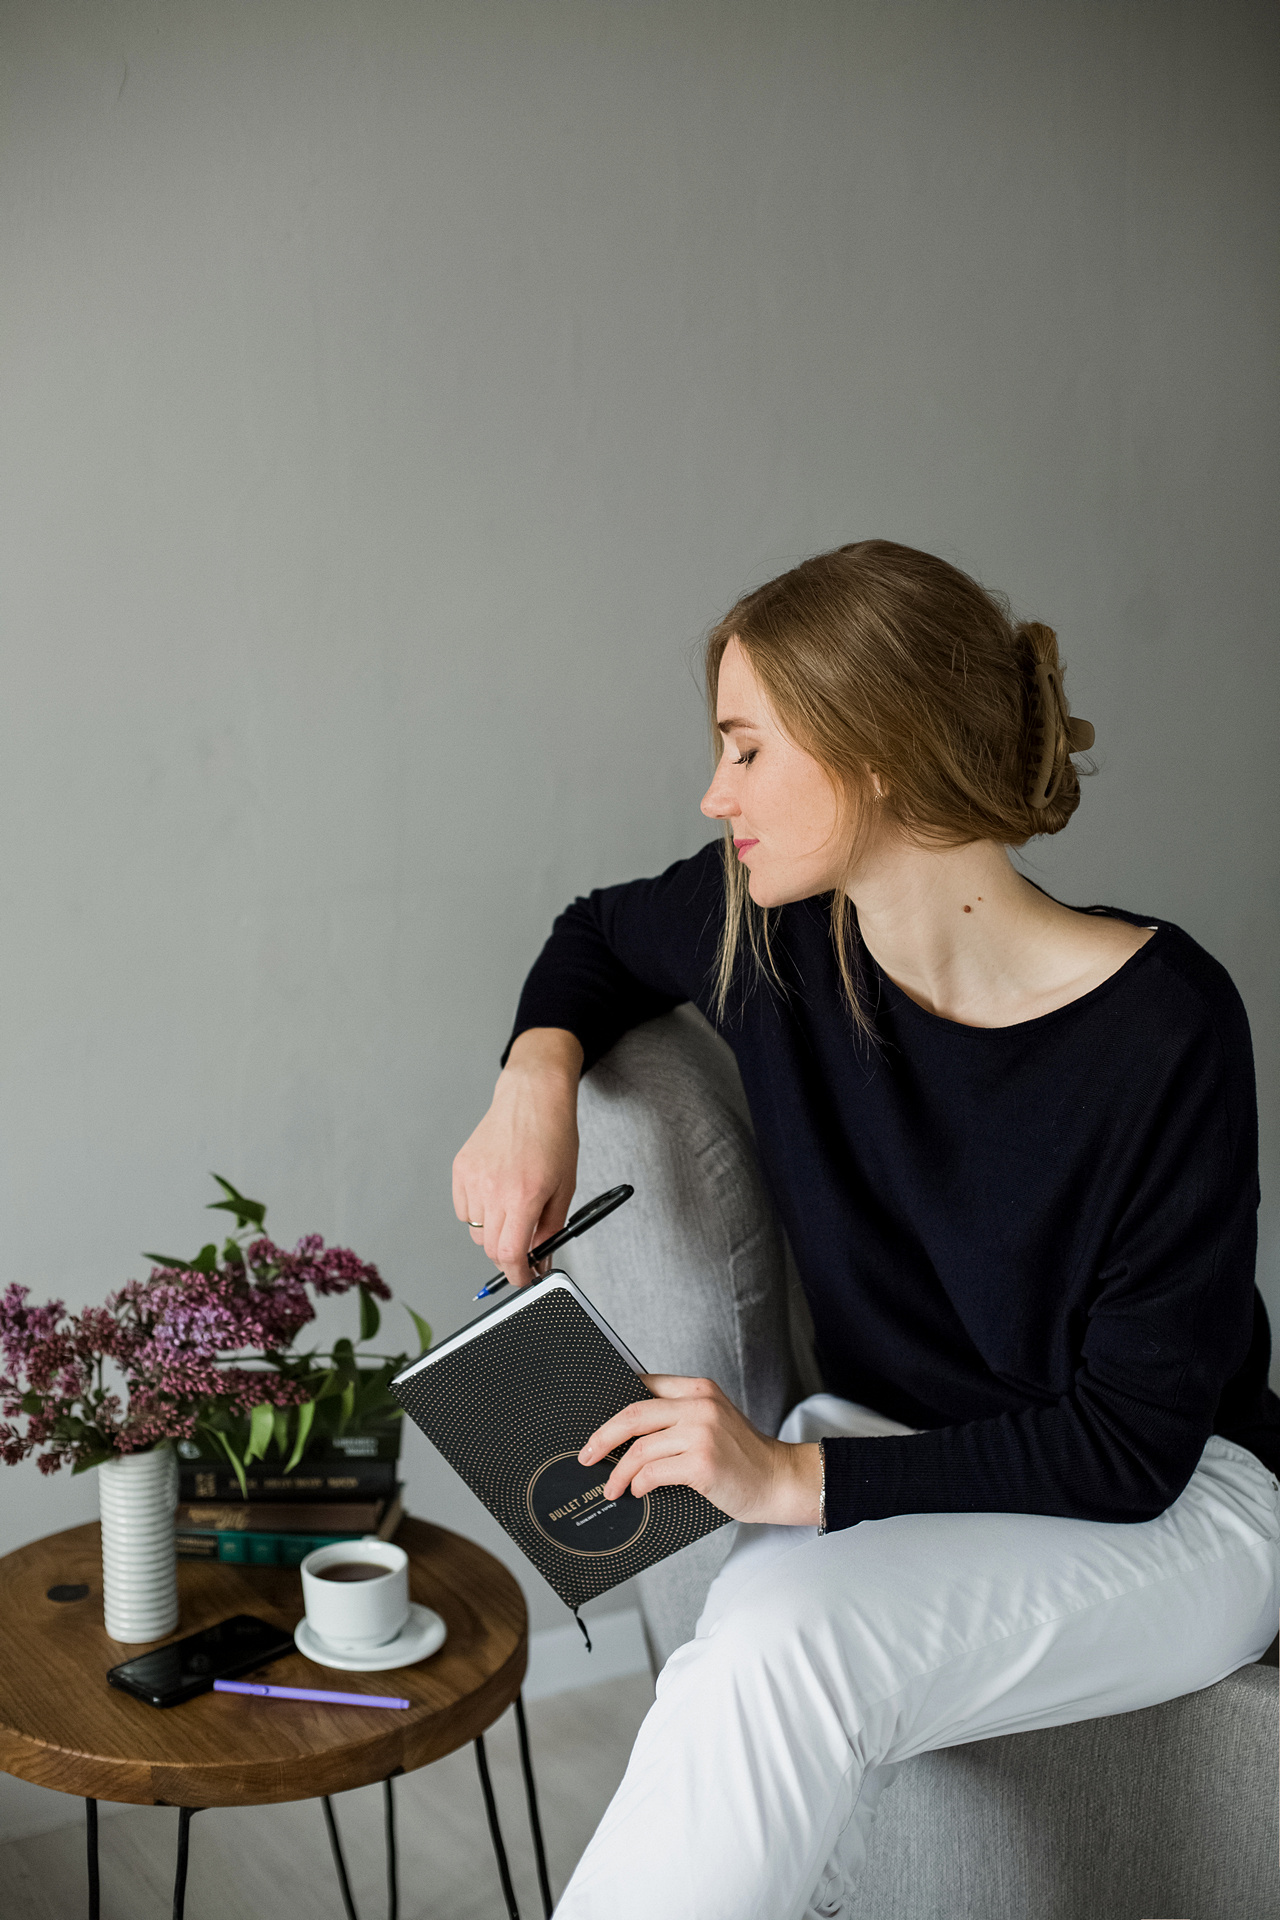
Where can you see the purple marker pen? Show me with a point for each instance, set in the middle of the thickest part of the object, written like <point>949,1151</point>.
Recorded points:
<point>308,1693</point>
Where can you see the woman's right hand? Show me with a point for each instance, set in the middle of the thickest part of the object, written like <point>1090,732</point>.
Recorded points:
<point>517,1172</point>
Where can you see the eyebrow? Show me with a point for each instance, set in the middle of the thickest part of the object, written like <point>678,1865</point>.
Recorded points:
<point>727,726</point>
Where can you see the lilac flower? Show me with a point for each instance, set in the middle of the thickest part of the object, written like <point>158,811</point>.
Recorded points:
<point>176,1338</point>
<point>326,1269</point>
<point>22,1326</point>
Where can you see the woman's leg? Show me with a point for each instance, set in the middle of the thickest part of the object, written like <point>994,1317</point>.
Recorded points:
<point>821,1662</point>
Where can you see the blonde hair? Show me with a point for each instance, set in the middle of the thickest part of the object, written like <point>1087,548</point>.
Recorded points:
<point>881,660</point>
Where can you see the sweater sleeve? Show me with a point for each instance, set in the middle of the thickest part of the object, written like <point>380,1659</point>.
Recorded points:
<point>1168,1324</point>
<point>625,954</point>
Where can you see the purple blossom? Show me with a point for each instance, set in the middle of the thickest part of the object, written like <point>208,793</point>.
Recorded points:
<point>325,1269</point>
<point>176,1338</point>
<point>22,1327</point>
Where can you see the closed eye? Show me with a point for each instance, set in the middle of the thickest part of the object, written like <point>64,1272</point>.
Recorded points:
<point>745,759</point>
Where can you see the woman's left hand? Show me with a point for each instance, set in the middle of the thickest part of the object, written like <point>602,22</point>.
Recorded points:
<point>692,1435</point>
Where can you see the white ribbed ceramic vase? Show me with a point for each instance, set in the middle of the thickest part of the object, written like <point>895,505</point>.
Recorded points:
<point>136,1497</point>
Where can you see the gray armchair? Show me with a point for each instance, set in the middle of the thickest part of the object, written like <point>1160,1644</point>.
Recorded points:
<point>1171,1811</point>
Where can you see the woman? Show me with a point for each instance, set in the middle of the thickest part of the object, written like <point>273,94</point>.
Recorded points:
<point>1014,1148</point>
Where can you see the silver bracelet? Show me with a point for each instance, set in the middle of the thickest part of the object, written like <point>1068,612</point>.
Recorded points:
<point>822,1497</point>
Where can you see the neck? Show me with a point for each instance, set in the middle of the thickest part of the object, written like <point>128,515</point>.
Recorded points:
<point>959,929</point>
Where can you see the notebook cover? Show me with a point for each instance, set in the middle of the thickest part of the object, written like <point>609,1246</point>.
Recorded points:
<point>509,1409</point>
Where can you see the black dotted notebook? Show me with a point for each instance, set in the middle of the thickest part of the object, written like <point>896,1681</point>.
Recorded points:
<point>510,1399</point>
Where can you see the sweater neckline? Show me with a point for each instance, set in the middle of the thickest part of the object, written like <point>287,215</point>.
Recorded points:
<point>903,1001</point>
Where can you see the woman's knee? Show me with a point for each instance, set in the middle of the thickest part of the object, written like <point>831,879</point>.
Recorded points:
<point>783,1626</point>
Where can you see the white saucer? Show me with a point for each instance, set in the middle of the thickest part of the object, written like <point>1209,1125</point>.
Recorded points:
<point>422,1633</point>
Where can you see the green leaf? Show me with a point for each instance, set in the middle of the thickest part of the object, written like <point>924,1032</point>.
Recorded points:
<point>371,1394</point>
<point>206,1261</point>
<point>95,1459</point>
<point>344,1353</point>
<point>328,1386</point>
<point>370,1318</point>
<point>348,1404</point>
<point>232,1255</point>
<point>32,1402</point>
<point>261,1428</point>
<point>424,1331</point>
<point>167,1260</point>
<point>306,1414</point>
<point>280,1428</point>
<point>233,1457</point>
<point>248,1213</point>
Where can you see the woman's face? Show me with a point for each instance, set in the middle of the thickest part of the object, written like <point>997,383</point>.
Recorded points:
<point>784,811</point>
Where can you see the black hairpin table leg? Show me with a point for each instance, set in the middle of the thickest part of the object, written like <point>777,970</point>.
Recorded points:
<point>91,1847</point>
<point>495,1831</point>
<point>180,1875</point>
<point>338,1861</point>
<point>531,1794</point>
<point>393,1885</point>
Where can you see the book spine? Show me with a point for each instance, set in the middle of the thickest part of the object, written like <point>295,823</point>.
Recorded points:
<point>321,1516</point>
<point>244,1549</point>
<point>313,1480</point>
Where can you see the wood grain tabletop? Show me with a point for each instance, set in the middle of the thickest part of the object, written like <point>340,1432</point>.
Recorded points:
<point>62,1726</point>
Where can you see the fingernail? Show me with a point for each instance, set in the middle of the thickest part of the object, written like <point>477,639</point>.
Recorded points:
<point>584,1458</point>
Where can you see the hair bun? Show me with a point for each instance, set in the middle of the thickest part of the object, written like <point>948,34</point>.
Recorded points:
<point>1054,735</point>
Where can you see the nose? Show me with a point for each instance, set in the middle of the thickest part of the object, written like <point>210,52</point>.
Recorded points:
<point>718,803</point>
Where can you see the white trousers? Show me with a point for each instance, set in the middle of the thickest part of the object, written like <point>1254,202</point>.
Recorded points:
<point>821,1662</point>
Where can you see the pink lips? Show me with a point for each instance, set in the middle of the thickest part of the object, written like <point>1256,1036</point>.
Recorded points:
<point>744,846</point>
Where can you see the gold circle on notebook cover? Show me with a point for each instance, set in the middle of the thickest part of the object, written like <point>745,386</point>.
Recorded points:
<point>566,1503</point>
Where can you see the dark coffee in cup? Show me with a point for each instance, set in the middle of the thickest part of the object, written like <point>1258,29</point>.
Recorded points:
<point>351,1570</point>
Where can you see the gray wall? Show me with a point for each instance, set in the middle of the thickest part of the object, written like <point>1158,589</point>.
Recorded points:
<point>393,392</point>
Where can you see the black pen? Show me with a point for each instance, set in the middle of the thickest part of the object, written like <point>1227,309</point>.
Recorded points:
<point>576,1223</point>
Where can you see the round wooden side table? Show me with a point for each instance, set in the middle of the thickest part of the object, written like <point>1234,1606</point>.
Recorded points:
<point>62,1726</point>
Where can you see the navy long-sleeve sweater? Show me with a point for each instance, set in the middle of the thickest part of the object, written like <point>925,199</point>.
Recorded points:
<point>1035,1242</point>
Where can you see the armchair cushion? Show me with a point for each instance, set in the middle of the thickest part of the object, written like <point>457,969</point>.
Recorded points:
<point>691,1272</point>
<point>1168,1811</point>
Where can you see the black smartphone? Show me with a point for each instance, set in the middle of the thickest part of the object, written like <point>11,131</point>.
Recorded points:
<point>168,1675</point>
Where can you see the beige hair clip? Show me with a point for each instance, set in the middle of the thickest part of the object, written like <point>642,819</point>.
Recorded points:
<point>1054,726</point>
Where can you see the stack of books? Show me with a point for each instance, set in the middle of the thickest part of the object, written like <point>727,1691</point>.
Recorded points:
<point>345,1489</point>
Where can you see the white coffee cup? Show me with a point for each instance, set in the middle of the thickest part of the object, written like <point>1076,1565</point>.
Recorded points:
<point>364,1611</point>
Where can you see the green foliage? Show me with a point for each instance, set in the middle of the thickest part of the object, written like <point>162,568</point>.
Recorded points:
<point>248,1213</point>
<point>261,1430</point>
<point>87,1460</point>
<point>224,1442</point>
<point>306,1414</point>
<point>424,1331</point>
